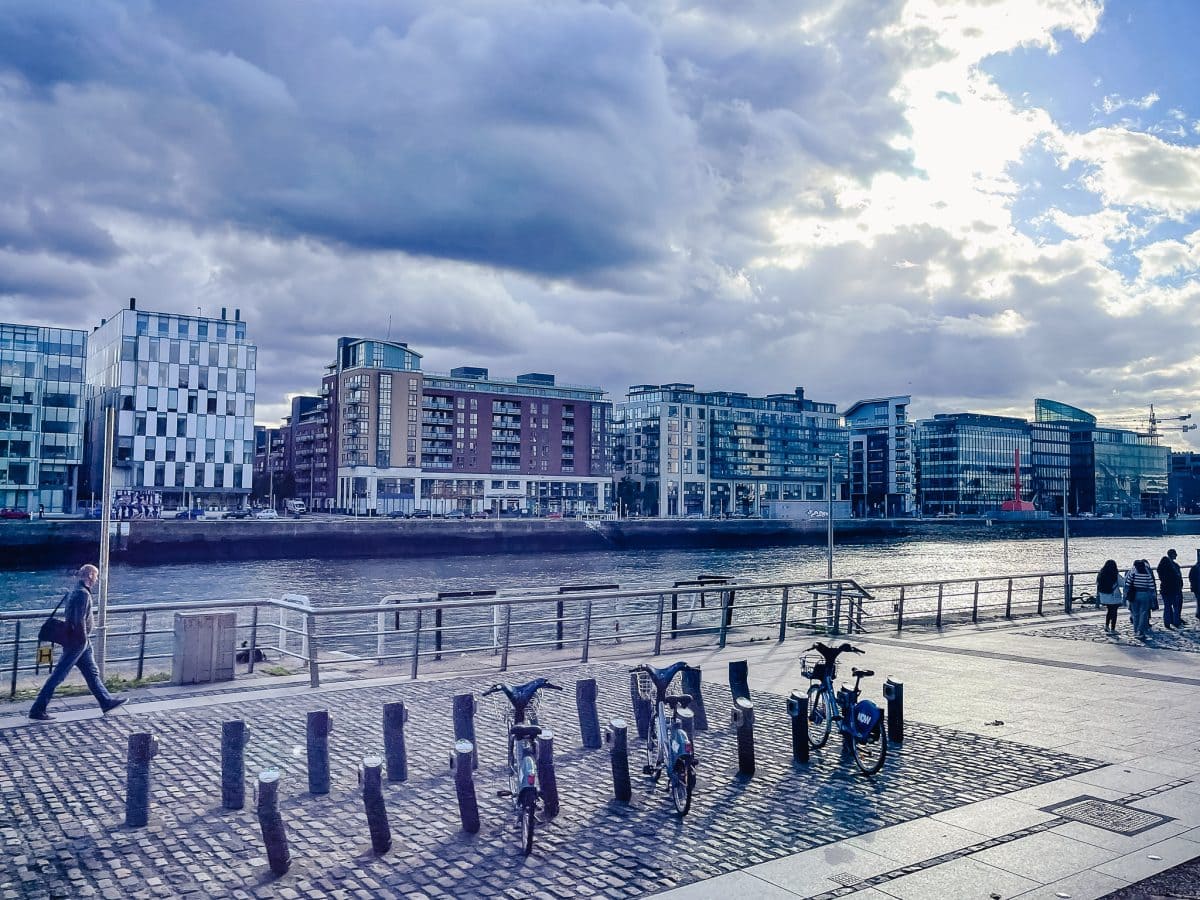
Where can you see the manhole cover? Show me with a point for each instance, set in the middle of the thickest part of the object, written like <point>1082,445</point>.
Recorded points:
<point>846,879</point>
<point>1107,815</point>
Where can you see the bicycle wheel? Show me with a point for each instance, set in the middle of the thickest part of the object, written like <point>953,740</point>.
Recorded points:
<point>820,716</point>
<point>683,783</point>
<point>870,754</point>
<point>527,811</point>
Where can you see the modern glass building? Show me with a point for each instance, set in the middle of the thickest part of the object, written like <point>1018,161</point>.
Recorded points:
<point>1114,471</point>
<point>968,462</point>
<point>689,452</point>
<point>41,417</point>
<point>881,466</point>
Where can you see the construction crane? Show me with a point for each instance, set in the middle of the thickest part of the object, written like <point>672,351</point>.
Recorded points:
<point>1155,429</point>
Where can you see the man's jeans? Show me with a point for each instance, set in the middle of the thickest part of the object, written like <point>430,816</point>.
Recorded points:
<point>80,656</point>
<point>1172,602</point>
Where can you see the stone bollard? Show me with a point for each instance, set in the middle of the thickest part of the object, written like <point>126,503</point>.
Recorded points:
<point>691,685</point>
<point>371,777</point>
<point>271,822</point>
<point>143,747</point>
<point>743,721</point>
<point>233,764</point>
<point>687,720</point>
<point>462,762</point>
<point>893,692</point>
<point>643,709</point>
<point>589,719</point>
<point>545,769</point>
<point>394,717</point>
<point>464,723</point>
<point>798,710</point>
<point>617,737</point>
<point>317,741</point>
<point>739,680</point>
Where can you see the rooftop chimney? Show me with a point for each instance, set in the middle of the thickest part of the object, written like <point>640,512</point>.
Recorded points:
<point>237,315</point>
<point>133,302</point>
<point>222,314</point>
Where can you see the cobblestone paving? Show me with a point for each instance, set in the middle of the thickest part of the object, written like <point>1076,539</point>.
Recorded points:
<point>63,793</point>
<point>1184,640</point>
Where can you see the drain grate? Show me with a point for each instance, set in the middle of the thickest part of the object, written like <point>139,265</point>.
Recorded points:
<point>845,879</point>
<point>1107,815</point>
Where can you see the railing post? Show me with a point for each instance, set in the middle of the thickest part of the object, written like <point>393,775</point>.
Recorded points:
<point>437,633</point>
<point>1008,602</point>
<point>900,611</point>
<point>12,687</point>
<point>674,615</point>
<point>1070,593</point>
<point>724,619</point>
<point>658,628</point>
<point>975,604</point>
<point>380,631</point>
<point>283,634</point>
<point>812,619</point>
<point>941,587</point>
<point>141,647</point>
<point>416,648</point>
<point>558,625</point>
<point>783,611</point>
<point>1041,592</point>
<point>310,640</point>
<point>837,609</point>
<point>507,637</point>
<point>253,635</point>
<point>587,630</point>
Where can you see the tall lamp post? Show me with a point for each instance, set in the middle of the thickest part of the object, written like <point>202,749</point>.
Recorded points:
<point>829,517</point>
<point>1066,546</point>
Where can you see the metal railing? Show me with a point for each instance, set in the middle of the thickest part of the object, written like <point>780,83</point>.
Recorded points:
<point>572,623</point>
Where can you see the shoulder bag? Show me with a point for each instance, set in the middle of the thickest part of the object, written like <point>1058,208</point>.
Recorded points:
<point>53,630</point>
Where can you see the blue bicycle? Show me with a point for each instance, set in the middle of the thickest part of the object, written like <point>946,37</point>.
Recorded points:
<point>668,747</point>
<point>860,721</point>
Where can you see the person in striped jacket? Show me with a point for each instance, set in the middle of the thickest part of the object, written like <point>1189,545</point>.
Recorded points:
<point>1140,592</point>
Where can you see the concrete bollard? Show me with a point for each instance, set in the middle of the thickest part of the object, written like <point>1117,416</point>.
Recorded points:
<point>893,692</point>
<point>371,777</point>
<point>589,719</point>
<point>797,708</point>
<point>545,769</point>
<point>464,723</point>
<point>271,822</point>
<point>643,709</point>
<point>739,679</point>
<point>394,750</point>
<point>317,742</point>
<point>233,764</point>
<point>691,685</point>
<point>462,764</point>
<point>617,737</point>
<point>687,720</point>
<point>743,720</point>
<point>143,747</point>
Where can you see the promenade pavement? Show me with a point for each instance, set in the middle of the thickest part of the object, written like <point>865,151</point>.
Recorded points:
<point>1041,759</point>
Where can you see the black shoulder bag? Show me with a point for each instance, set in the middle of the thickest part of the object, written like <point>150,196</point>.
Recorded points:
<point>55,631</point>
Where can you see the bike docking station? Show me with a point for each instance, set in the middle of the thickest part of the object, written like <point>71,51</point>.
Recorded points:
<point>370,776</point>
<point>394,750</point>
<point>462,764</point>
<point>465,708</point>
<point>742,719</point>
<point>893,693</point>
<point>271,821</point>
<point>317,743</point>
<point>234,737</point>
<point>143,747</point>
<point>797,708</point>
<point>589,718</point>
<point>617,738</point>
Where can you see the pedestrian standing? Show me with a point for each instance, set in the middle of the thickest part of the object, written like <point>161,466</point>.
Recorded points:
<point>1170,583</point>
<point>1194,581</point>
<point>1141,593</point>
<point>1109,584</point>
<point>77,649</point>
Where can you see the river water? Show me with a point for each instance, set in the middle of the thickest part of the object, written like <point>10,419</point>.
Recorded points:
<point>358,581</point>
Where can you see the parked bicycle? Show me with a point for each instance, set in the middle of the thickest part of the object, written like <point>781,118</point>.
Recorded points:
<point>860,721</point>
<point>523,730</point>
<point>668,747</point>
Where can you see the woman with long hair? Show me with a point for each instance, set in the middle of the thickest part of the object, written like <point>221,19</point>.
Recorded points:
<point>1108,593</point>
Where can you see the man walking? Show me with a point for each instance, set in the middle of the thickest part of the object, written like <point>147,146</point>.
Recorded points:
<point>1194,581</point>
<point>1170,584</point>
<point>77,651</point>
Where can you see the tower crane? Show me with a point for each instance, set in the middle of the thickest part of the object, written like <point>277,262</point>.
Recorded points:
<point>1156,427</point>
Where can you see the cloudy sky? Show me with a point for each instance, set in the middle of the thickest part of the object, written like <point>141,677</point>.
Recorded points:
<point>976,202</point>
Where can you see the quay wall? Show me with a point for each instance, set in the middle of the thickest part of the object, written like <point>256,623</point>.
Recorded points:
<point>71,542</point>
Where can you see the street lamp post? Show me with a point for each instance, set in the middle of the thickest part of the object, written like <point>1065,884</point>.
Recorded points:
<point>829,518</point>
<point>1066,547</point>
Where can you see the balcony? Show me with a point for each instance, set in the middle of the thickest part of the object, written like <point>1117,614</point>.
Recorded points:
<point>505,438</point>
<point>437,404</point>
<point>437,420</point>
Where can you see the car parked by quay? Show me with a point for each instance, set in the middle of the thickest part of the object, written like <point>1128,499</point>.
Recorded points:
<point>265,514</point>
<point>13,513</point>
<point>190,514</point>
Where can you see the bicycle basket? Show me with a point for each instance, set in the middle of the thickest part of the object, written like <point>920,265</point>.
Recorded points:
<point>812,666</point>
<point>645,687</point>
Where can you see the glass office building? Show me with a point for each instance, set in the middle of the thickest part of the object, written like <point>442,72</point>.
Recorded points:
<point>41,417</point>
<point>967,462</point>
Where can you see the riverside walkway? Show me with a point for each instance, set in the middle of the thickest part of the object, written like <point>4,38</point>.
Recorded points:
<point>1040,760</point>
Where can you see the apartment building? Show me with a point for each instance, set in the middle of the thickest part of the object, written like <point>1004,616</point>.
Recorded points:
<point>882,479</point>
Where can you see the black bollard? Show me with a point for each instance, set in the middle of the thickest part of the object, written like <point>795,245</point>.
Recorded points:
<point>691,685</point>
<point>893,692</point>
<point>233,764</point>
<point>464,723</point>
<point>371,776</point>
<point>798,709</point>
<point>462,764</point>
<point>271,822</point>
<point>142,748</point>
<point>643,708</point>
<point>743,721</point>
<point>394,717</point>
<point>739,682</point>
<point>589,719</point>
<point>317,740</point>
<point>617,737</point>
<point>545,769</point>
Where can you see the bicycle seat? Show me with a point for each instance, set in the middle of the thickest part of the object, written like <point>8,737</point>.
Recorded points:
<point>678,700</point>
<point>520,732</point>
<point>861,673</point>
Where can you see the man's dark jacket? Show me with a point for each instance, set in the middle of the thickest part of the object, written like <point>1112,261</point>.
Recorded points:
<point>1170,576</point>
<point>78,613</point>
